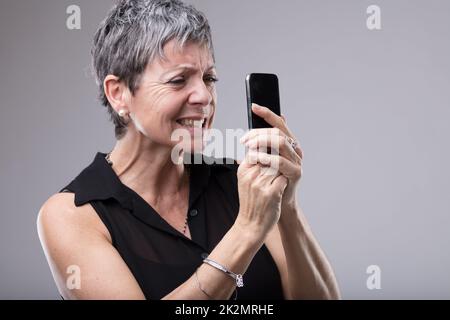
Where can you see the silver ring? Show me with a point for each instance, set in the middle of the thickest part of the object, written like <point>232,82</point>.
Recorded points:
<point>292,142</point>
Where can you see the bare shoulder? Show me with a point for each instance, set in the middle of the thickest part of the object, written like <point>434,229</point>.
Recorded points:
<point>74,236</point>
<point>59,216</point>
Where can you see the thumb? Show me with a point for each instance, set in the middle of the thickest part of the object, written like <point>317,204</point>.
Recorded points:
<point>280,183</point>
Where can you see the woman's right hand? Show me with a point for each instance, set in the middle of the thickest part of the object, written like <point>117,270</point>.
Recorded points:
<point>260,190</point>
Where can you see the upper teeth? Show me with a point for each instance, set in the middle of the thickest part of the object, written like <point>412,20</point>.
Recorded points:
<point>192,123</point>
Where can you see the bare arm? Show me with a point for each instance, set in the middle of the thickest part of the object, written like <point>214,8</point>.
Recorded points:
<point>305,271</point>
<point>235,251</point>
<point>75,236</point>
<point>309,273</point>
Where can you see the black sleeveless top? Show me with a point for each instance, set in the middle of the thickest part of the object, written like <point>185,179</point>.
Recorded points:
<point>160,257</point>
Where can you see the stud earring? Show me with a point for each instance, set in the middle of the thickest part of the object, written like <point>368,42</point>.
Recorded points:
<point>122,113</point>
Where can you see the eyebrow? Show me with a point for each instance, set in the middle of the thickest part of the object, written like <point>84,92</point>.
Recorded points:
<point>186,67</point>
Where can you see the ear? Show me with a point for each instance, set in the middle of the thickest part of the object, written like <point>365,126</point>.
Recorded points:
<point>116,92</point>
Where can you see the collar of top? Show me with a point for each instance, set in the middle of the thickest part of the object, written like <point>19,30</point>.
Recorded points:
<point>98,181</point>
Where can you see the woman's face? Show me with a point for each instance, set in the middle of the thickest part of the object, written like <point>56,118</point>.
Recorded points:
<point>180,87</point>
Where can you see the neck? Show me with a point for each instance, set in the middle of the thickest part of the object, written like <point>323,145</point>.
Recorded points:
<point>147,167</point>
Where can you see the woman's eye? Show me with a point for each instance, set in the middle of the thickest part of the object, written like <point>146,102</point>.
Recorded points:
<point>180,81</point>
<point>177,81</point>
<point>211,79</point>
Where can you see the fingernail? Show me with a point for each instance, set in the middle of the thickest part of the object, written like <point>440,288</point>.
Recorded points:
<point>249,144</point>
<point>257,107</point>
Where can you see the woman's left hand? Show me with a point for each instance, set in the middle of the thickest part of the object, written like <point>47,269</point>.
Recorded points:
<point>289,158</point>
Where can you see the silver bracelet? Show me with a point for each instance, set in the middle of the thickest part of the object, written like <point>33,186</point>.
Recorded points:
<point>237,277</point>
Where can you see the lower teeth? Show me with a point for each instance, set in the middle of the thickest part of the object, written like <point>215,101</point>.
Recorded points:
<point>189,126</point>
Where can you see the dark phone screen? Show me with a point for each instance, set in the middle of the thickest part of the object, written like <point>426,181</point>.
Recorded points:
<point>262,89</point>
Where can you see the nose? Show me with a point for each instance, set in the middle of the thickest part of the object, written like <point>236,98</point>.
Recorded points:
<point>200,94</point>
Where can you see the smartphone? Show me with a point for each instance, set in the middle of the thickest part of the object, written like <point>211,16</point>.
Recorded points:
<point>262,89</point>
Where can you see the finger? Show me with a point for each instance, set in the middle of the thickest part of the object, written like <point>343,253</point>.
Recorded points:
<point>267,171</point>
<point>280,183</point>
<point>254,132</point>
<point>277,163</point>
<point>257,171</point>
<point>277,122</point>
<point>267,175</point>
<point>299,150</point>
<point>270,131</point>
<point>272,118</point>
<point>278,143</point>
<point>248,170</point>
<point>282,130</point>
<point>268,115</point>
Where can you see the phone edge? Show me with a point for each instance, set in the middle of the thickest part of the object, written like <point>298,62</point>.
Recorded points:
<point>249,101</point>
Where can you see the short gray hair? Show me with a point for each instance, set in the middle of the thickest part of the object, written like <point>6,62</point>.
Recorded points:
<point>134,33</point>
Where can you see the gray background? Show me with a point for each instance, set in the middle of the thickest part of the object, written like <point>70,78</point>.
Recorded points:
<point>370,109</point>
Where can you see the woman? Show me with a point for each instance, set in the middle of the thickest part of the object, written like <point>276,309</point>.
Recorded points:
<point>137,225</point>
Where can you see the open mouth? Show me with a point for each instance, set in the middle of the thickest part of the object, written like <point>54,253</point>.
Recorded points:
<point>191,123</point>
